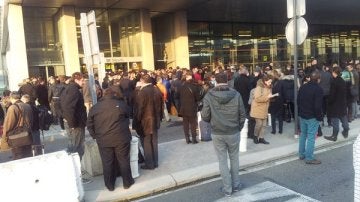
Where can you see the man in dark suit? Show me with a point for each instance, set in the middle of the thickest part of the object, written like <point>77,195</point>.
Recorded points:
<point>148,113</point>
<point>74,113</point>
<point>108,123</point>
<point>337,104</point>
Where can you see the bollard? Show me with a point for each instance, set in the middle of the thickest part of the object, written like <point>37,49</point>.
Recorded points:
<point>134,157</point>
<point>243,137</point>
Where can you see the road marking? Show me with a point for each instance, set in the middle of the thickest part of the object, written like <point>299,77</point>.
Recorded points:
<point>267,191</point>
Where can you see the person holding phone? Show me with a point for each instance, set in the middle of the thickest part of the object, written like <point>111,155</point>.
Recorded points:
<point>259,107</point>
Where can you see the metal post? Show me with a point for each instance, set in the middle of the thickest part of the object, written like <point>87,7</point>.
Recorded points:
<point>295,70</point>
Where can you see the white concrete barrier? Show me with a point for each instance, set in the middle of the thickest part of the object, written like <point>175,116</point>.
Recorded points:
<point>243,137</point>
<point>50,177</point>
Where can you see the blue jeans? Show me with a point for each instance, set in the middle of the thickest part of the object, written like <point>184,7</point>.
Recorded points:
<point>224,145</point>
<point>335,124</point>
<point>309,128</point>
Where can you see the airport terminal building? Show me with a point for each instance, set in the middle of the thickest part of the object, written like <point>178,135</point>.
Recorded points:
<point>43,38</point>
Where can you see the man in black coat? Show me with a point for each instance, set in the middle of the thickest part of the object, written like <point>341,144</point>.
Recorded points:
<point>148,113</point>
<point>189,98</point>
<point>337,104</point>
<point>310,112</point>
<point>74,112</point>
<point>108,123</point>
<point>243,86</point>
<point>29,88</point>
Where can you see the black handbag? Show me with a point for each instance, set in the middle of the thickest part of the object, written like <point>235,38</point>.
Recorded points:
<point>20,135</point>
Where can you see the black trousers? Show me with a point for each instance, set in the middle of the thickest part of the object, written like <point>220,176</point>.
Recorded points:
<point>251,127</point>
<point>278,115</point>
<point>21,152</point>
<point>150,145</point>
<point>112,157</point>
<point>190,122</point>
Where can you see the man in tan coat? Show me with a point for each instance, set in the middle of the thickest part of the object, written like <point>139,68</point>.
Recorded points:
<point>18,114</point>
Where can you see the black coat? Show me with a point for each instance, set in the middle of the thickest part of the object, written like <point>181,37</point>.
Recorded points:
<point>108,122</point>
<point>42,93</point>
<point>337,98</point>
<point>242,85</point>
<point>310,101</point>
<point>148,110</point>
<point>277,103</point>
<point>29,89</point>
<point>72,106</point>
<point>189,98</point>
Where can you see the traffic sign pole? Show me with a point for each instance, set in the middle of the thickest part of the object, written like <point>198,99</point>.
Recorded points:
<point>295,69</point>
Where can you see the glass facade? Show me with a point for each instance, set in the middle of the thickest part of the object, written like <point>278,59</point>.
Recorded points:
<point>251,44</point>
<point>119,36</point>
<point>44,50</point>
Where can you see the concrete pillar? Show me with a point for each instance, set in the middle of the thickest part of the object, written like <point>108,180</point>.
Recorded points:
<point>67,36</point>
<point>146,40</point>
<point>181,40</point>
<point>16,57</point>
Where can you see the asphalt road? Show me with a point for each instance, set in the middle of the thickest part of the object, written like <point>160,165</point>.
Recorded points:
<point>332,181</point>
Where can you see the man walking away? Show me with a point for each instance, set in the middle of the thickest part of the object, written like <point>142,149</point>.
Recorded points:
<point>310,111</point>
<point>224,109</point>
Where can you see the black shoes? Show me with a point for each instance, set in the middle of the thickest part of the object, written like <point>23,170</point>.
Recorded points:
<point>345,133</point>
<point>147,168</point>
<point>313,162</point>
<point>273,132</point>
<point>263,141</point>
<point>331,138</point>
<point>128,186</point>
<point>260,140</point>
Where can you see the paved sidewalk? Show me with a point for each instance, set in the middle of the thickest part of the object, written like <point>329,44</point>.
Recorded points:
<point>180,163</point>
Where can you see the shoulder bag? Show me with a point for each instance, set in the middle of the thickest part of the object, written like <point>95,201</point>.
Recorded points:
<point>20,135</point>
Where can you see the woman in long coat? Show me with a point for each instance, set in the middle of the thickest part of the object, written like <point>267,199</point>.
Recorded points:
<point>260,106</point>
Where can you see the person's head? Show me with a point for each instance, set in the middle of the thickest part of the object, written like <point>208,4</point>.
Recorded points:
<point>349,67</point>
<point>112,91</point>
<point>14,97</point>
<point>78,78</point>
<point>221,77</point>
<point>62,78</point>
<point>315,76</point>
<point>267,80</point>
<point>336,71</point>
<point>146,78</point>
<point>243,70</point>
<point>52,80</point>
<point>25,98</point>
<point>158,79</point>
<point>188,77</point>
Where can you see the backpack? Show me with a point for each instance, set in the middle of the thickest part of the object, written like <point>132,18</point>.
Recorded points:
<point>45,118</point>
<point>58,90</point>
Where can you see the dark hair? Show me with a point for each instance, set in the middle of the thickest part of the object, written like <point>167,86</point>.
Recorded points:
<point>337,70</point>
<point>76,76</point>
<point>315,75</point>
<point>221,77</point>
<point>146,78</point>
<point>266,77</point>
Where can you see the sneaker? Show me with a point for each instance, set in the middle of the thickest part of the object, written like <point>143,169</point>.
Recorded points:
<point>331,138</point>
<point>238,188</point>
<point>313,162</point>
<point>85,181</point>
<point>302,157</point>
<point>225,193</point>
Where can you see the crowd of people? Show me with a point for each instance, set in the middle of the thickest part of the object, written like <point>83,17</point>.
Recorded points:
<point>148,97</point>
